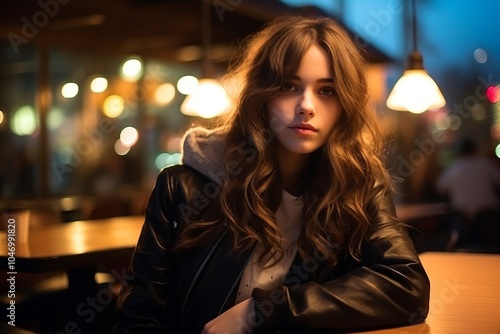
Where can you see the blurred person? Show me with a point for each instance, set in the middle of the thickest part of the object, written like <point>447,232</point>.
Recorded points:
<point>280,219</point>
<point>471,185</point>
<point>472,182</point>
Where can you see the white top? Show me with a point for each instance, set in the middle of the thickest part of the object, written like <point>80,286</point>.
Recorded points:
<point>288,215</point>
<point>470,183</point>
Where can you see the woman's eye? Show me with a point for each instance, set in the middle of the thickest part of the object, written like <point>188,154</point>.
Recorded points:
<point>328,91</point>
<point>289,87</point>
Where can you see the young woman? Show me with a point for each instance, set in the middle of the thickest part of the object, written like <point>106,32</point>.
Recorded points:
<point>282,219</point>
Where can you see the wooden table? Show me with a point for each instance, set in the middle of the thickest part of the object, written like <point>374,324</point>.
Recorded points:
<point>75,244</point>
<point>80,249</point>
<point>465,295</point>
<point>75,247</point>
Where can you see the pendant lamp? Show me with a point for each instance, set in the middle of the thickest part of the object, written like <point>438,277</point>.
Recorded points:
<point>415,91</point>
<point>209,99</point>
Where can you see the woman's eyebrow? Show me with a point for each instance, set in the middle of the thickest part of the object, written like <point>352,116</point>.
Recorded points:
<point>320,80</point>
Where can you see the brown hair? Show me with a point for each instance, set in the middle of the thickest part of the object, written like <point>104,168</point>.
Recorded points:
<point>347,174</point>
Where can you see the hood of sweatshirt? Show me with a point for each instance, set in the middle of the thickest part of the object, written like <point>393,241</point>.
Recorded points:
<point>203,150</point>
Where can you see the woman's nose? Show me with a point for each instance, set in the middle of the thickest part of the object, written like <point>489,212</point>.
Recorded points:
<point>306,105</point>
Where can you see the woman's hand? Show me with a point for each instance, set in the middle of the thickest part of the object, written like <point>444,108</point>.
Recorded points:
<point>236,320</point>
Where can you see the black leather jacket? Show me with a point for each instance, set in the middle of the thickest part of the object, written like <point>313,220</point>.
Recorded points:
<point>166,292</point>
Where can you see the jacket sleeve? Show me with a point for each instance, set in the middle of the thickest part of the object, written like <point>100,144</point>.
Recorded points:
<point>388,287</point>
<point>141,304</point>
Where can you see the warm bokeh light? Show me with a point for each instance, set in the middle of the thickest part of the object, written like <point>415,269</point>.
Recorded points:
<point>207,101</point>
<point>120,149</point>
<point>480,55</point>
<point>1,117</point>
<point>493,93</point>
<point>132,69</point>
<point>129,136</point>
<point>113,106</point>
<point>55,118</point>
<point>69,90</point>
<point>187,84</point>
<point>99,85</point>
<point>24,123</point>
<point>165,159</point>
<point>164,93</point>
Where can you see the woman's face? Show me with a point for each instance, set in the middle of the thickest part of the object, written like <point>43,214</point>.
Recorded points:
<point>303,115</point>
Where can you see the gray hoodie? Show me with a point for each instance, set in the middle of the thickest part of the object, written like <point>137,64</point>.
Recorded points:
<point>203,150</point>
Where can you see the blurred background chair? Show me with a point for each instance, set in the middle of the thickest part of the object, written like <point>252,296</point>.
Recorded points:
<point>480,234</point>
<point>430,233</point>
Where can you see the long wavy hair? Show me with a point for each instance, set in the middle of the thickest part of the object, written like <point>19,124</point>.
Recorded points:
<point>347,174</point>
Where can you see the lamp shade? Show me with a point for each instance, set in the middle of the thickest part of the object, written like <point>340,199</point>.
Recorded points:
<point>415,92</point>
<point>209,99</point>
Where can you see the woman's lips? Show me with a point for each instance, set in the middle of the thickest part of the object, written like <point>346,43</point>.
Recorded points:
<point>303,129</point>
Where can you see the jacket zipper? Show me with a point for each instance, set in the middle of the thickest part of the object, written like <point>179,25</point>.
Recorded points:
<point>238,278</point>
<point>198,272</point>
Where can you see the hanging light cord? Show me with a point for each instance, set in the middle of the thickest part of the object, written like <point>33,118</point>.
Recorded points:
<point>415,60</point>
<point>414,24</point>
